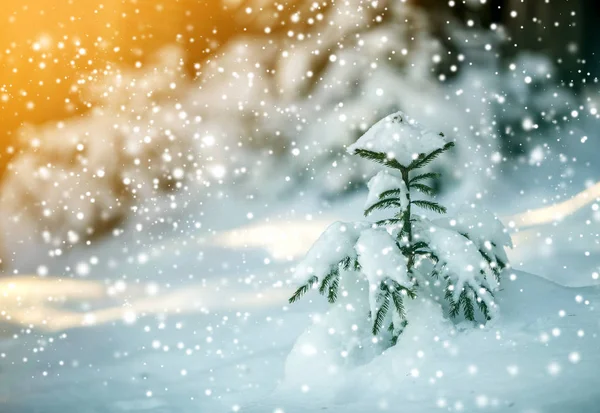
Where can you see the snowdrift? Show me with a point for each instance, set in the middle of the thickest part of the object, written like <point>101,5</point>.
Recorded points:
<point>541,355</point>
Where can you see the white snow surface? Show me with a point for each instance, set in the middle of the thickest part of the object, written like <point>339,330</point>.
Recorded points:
<point>480,224</point>
<point>335,244</point>
<point>531,360</point>
<point>232,343</point>
<point>482,227</point>
<point>386,180</point>
<point>461,257</point>
<point>400,137</point>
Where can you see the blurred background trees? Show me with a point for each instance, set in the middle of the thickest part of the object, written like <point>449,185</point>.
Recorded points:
<point>105,103</point>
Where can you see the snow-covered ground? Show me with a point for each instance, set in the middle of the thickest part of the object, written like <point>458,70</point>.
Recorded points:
<point>190,314</point>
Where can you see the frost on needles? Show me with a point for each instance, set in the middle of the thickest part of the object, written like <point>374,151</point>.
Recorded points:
<point>389,262</point>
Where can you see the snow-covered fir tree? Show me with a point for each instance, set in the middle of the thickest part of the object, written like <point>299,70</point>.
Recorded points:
<point>387,263</point>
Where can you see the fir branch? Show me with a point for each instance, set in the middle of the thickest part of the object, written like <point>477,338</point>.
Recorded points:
<point>383,204</point>
<point>492,264</point>
<point>483,308</point>
<point>487,289</point>
<point>486,257</point>
<point>390,192</point>
<point>303,289</point>
<point>401,329</point>
<point>396,286</point>
<point>381,313</point>
<point>399,304</point>
<point>454,308</point>
<point>335,272</point>
<point>333,290</point>
<point>391,328</point>
<point>430,205</point>
<point>388,221</point>
<point>345,263</point>
<point>467,303</point>
<point>495,264</point>
<point>411,293</point>
<point>379,157</point>
<point>424,160</point>
<point>427,190</point>
<point>422,177</point>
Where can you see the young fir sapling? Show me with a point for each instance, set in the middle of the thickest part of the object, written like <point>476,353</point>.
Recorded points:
<point>399,257</point>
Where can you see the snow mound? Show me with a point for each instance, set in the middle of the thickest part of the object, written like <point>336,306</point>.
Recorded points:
<point>481,225</point>
<point>483,228</point>
<point>385,181</point>
<point>458,258</point>
<point>541,355</point>
<point>334,343</point>
<point>335,244</point>
<point>400,137</point>
<point>380,258</point>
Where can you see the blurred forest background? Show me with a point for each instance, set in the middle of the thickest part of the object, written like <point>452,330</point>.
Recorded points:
<point>109,103</point>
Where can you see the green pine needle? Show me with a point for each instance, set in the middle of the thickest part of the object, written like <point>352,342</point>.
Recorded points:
<point>467,303</point>
<point>303,289</point>
<point>395,286</point>
<point>422,177</point>
<point>454,308</point>
<point>430,205</point>
<point>391,328</point>
<point>483,308</point>
<point>427,190</point>
<point>379,157</point>
<point>389,193</point>
<point>400,329</point>
<point>333,290</point>
<point>381,313</point>
<point>345,263</point>
<point>390,221</point>
<point>486,257</point>
<point>399,304</point>
<point>383,204</point>
<point>335,272</point>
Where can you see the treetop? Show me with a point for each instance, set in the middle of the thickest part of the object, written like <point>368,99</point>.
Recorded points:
<point>400,137</point>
